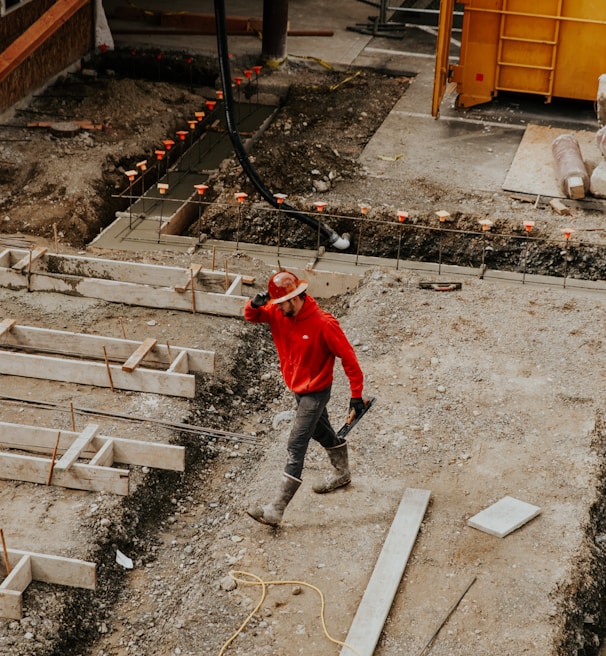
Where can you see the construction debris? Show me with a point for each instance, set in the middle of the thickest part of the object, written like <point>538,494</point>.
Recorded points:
<point>558,206</point>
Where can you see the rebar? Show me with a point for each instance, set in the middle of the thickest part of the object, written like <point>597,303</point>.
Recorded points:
<point>212,433</point>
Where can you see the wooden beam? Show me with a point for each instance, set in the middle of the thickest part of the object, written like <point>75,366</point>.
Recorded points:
<point>35,35</point>
<point>76,448</point>
<point>92,346</point>
<point>94,373</point>
<point>235,287</point>
<point>129,282</point>
<point>14,467</point>
<point>104,456</point>
<point>142,453</point>
<point>142,352</point>
<point>11,604</point>
<point>57,570</point>
<point>194,271</point>
<point>6,326</point>
<point>20,576</point>
<point>32,256</point>
<point>180,363</point>
<point>376,602</point>
<point>150,275</point>
<point>29,566</point>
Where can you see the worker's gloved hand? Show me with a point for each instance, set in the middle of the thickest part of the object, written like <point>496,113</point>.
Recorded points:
<point>260,299</point>
<point>357,405</point>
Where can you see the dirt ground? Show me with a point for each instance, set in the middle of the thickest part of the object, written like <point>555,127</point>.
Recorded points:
<point>482,392</point>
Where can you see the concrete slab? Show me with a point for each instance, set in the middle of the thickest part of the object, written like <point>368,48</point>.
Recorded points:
<point>504,516</point>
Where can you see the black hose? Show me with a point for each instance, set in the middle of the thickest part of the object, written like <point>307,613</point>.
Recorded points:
<point>221,28</point>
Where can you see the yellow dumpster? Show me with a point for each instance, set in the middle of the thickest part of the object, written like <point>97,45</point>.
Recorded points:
<point>552,48</point>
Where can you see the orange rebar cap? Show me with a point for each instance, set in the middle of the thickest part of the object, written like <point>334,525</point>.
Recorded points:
<point>284,285</point>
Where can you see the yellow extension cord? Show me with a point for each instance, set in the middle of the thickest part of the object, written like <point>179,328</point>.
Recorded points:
<point>258,581</point>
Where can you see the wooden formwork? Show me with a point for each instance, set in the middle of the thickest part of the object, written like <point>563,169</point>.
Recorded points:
<point>92,360</point>
<point>194,289</point>
<point>23,567</point>
<point>69,448</point>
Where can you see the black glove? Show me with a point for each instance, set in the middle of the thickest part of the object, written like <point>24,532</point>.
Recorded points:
<point>260,299</point>
<point>357,405</point>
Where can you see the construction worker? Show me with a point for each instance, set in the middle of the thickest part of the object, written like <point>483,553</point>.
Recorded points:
<point>307,340</point>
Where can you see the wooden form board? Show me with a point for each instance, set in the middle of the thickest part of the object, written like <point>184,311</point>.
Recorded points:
<point>141,453</point>
<point>36,34</point>
<point>102,451</point>
<point>132,283</point>
<point>172,381</point>
<point>92,478</point>
<point>118,350</point>
<point>26,567</point>
<point>376,602</point>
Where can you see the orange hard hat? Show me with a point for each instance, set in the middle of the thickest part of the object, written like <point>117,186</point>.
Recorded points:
<point>285,285</point>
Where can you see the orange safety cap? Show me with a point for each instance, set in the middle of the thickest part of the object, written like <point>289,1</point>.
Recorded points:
<point>284,285</point>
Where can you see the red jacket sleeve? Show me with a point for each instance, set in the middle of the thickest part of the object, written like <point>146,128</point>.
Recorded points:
<point>339,345</point>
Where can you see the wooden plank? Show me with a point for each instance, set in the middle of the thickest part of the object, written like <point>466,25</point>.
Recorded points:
<point>149,454</point>
<point>180,363</point>
<point>148,275</point>
<point>235,288</point>
<point>20,576</point>
<point>104,456</point>
<point>81,123</point>
<point>93,345</point>
<point>93,373</point>
<point>58,570</point>
<point>194,271</point>
<point>11,604</point>
<point>14,467</point>
<point>376,602</point>
<point>77,446</point>
<point>127,293</point>
<point>38,439</point>
<point>142,351</point>
<point>31,256</point>
<point>7,325</point>
<point>35,35</point>
<point>28,567</point>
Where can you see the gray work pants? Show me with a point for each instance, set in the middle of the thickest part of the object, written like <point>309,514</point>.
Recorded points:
<point>311,422</point>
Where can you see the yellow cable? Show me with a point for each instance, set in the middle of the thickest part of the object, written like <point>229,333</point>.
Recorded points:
<point>333,87</point>
<point>316,59</point>
<point>258,581</point>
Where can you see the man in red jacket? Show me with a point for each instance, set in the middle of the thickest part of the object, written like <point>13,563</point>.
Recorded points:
<point>308,340</point>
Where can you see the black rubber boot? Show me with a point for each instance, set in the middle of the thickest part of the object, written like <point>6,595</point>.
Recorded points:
<point>341,475</point>
<point>272,513</point>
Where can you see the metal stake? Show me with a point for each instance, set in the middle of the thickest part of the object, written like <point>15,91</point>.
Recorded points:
<point>528,225</point>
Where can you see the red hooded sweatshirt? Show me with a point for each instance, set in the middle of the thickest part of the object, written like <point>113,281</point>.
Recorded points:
<point>307,345</point>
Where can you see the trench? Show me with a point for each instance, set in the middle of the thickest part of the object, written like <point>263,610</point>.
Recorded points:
<point>139,519</point>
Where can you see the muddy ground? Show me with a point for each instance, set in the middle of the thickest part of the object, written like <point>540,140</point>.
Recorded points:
<point>487,391</point>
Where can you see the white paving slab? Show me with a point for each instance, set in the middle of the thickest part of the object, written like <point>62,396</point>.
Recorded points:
<point>504,516</point>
